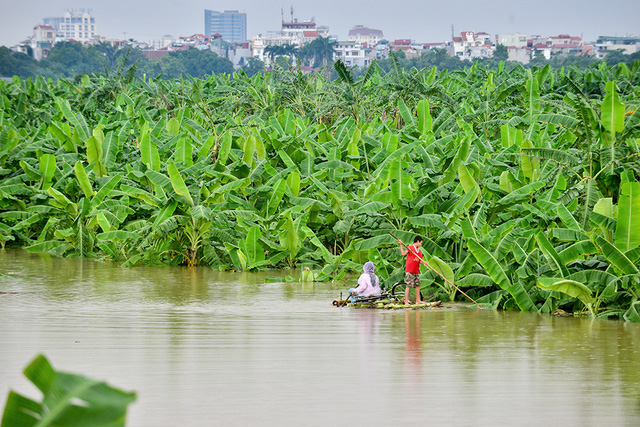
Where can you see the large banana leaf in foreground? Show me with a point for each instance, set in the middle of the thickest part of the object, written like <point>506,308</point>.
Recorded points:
<point>68,399</point>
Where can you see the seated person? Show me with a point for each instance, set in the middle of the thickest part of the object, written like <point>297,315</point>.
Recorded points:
<point>368,283</point>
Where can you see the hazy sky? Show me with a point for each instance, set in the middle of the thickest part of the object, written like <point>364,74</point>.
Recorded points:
<point>420,20</point>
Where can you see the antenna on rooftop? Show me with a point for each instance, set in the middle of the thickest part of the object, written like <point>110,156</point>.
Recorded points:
<point>282,13</point>
<point>291,13</point>
<point>452,33</point>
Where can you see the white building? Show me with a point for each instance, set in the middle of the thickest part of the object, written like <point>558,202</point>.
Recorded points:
<point>365,36</point>
<point>605,44</point>
<point>470,47</point>
<point>516,40</point>
<point>165,41</point>
<point>43,39</point>
<point>295,33</point>
<point>239,53</point>
<point>80,27</point>
<point>353,54</point>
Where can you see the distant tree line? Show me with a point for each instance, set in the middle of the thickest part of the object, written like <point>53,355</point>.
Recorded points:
<point>70,59</point>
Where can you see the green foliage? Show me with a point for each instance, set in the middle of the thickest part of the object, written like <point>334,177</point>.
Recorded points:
<point>513,176</point>
<point>68,399</point>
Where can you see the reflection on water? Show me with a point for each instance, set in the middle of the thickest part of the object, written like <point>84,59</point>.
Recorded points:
<point>412,335</point>
<point>203,347</point>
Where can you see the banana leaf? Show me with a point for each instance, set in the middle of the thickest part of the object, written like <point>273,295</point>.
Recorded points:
<point>633,313</point>
<point>550,253</point>
<point>68,399</point>
<point>628,225</point>
<point>497,274</point>
<point>83,180</point>
<point>178,183</point>
<point>617,258</point>
<point>47,169</point>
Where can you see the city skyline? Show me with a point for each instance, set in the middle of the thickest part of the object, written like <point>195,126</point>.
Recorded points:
<point>424,21</point>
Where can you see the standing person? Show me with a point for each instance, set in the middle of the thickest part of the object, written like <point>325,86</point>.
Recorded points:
<point>368,283</point>
<point>412,268</point>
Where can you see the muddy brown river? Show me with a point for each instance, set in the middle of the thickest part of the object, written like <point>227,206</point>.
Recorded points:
<point>202,347</point>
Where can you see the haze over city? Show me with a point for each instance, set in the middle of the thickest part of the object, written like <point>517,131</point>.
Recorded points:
<point>422,21</point>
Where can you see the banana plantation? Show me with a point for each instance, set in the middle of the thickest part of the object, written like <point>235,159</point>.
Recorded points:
<point>523,183</point>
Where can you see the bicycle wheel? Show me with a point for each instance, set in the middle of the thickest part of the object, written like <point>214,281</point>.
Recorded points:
<point>398,289</point>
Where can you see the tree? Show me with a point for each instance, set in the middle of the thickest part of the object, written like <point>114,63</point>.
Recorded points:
<point>197,63</point>
<point>501,53</point>
<point>253,66</point>
<point>17,64</point>
<point>72,58</point>
<point>322,49</point>
<point>282,62</point>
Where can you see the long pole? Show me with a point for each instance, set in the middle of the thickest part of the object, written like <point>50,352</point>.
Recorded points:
<point>433,269</point>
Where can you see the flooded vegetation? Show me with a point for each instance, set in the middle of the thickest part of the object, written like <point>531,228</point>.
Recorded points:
<point>199,345</point>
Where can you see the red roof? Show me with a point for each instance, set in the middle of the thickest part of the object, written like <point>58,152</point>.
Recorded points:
<point>405,42</point>
<point>482,34</point>
<point>311,34</point>
<point>216,36</point>
<point>43,26</point>
<point>540,46</point>
<point>565,46</point>
<point>457,39</point>
<point>432,44</point>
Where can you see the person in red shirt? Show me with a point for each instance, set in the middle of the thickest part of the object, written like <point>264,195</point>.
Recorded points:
<point>412,268</point>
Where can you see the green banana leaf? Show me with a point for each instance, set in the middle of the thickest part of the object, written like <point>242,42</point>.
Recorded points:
<point>47,168</point>
<point>497,274</point>
<point>550,253</point>
<point>149,153</point>
<point>105,190</point>
<point>405,113</point>
<point>571,288</point>
<point>110,150</point>
<point>612,111</point>
<point>83,180</point>
<point>68,399</point>
<point>617,258</point>
<point>94,153</point>
<point>628,225</point>
<point>255,251</point>
<point>425,122</point>
<point>178,183</point>
<point>567,219</point>
<point>633,313</point>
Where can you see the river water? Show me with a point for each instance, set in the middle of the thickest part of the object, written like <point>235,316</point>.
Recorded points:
<point>202,347</point>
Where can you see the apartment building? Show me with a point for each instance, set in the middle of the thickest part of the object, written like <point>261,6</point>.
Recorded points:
<point>231,24</point>
<point>78,26</point>
<point>353,54</point>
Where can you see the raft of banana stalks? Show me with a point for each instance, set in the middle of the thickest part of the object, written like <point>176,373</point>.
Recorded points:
<point>386,304</point>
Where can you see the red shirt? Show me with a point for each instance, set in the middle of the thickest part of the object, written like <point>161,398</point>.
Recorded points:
<point>413,262</point>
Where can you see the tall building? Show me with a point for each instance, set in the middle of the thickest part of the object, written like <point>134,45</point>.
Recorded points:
<point>231,24</point>
<point>77,26</point>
